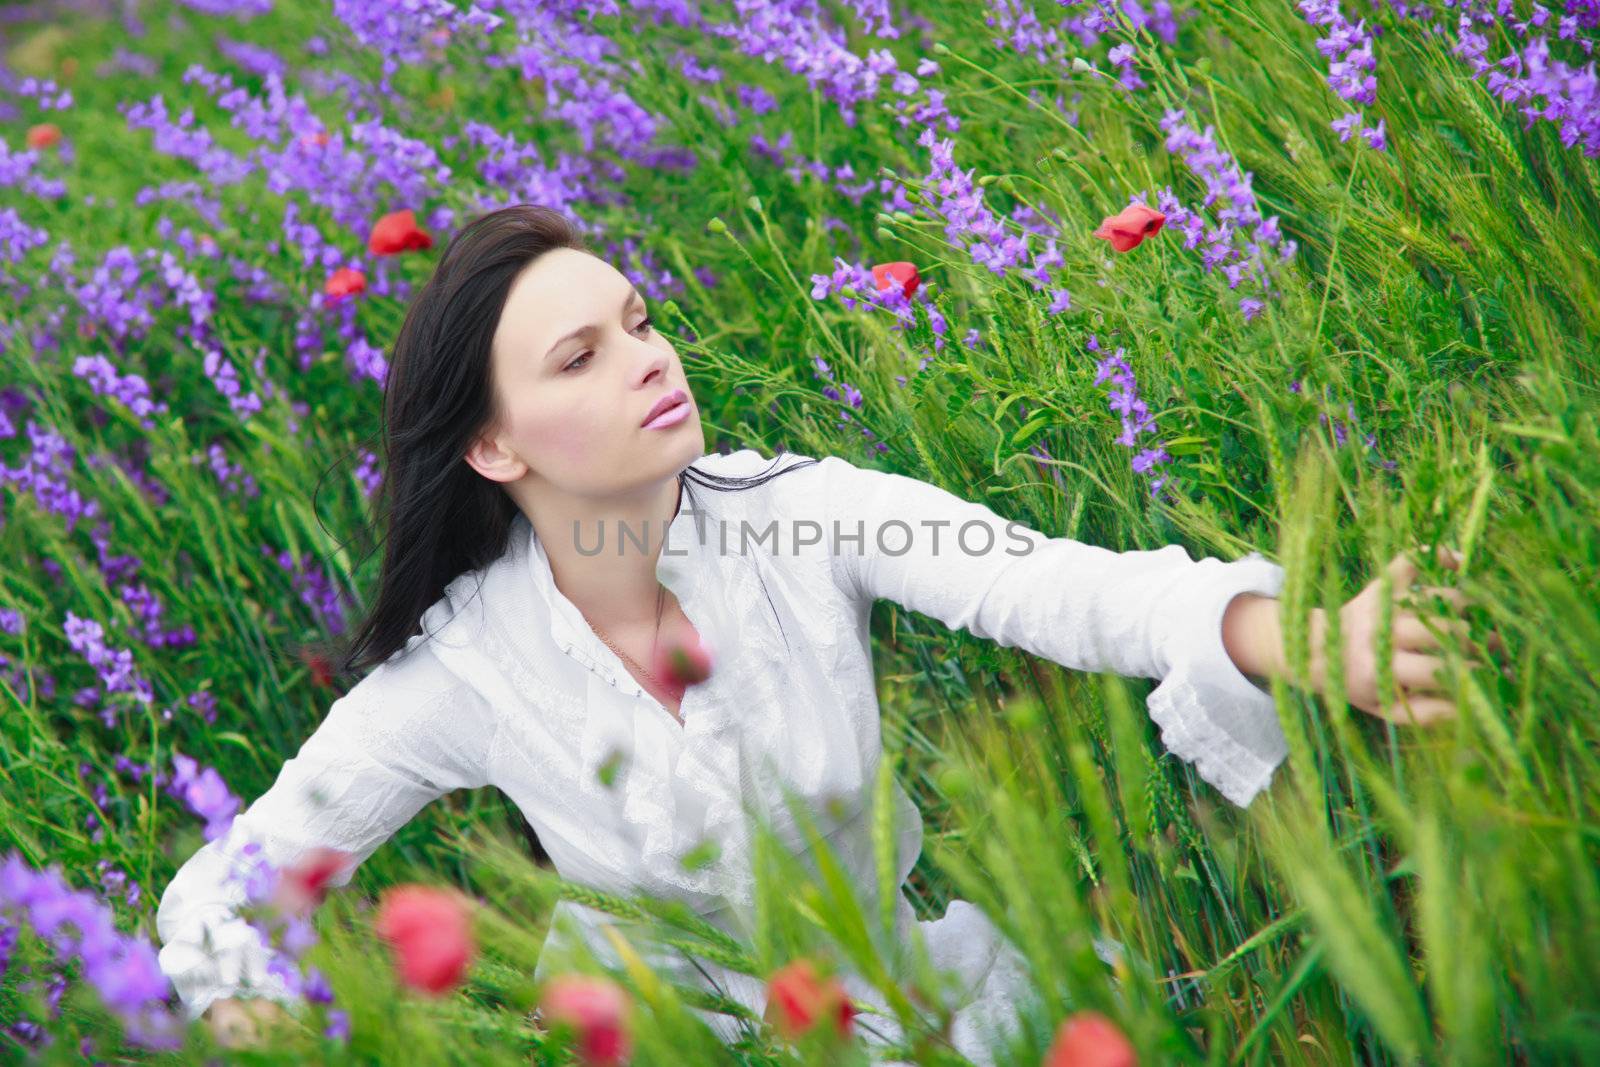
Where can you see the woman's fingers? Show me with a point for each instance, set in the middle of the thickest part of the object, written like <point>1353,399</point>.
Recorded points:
<point>1424,673</point>
<point>235,1025</point>
<point>1413,632</point>
<point>240,1022</point>
<point>1403,567</point>
<point>1420,710</point>
<point>1402,570</point>
<point>1426,594</point>
<point>1418,635</point>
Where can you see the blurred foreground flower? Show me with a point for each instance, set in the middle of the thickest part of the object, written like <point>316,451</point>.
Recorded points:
<point>205,793</point>
<point>81,932</point>
<point>1089,1039</point>
<point>302,886</point>
<point>321,669</point>
<point>431,936</point>
<point>44,135</point>
<point>397,232</point>
<point>1130,226</point>
<point>798,1000</point>
<point>346,281</point>
<point>682,663</point>
<point>595,1008</point>
<point>892,275</point>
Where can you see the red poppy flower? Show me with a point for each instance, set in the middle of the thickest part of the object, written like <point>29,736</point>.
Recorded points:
<point>890,275</point>
<point>431,936</point>
<point>1130,226</point>
<point>346,281</point>
<point>317,138</point>
<point>798,1000</point>
<point>595,1008</point>
<point>44,135</point>
<point>302,885</point>
<point>397,232</point>
<point>321,669</point>
<point>1089,1039</point>
<point>682,663</point>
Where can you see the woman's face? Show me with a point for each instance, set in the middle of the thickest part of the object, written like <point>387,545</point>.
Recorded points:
<point>577,366</point>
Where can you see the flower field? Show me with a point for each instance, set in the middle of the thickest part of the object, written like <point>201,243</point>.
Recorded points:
<point>1315,278</point>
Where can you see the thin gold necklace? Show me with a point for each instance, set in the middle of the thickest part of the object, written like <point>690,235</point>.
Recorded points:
<point>661,598</point>
<point>660,603</point>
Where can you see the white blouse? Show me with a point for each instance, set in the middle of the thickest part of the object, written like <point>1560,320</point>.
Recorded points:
<point>514,690</point>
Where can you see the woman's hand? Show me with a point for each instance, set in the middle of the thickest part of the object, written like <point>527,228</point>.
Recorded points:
<point>1418,674</point>
<point>236,1023</point>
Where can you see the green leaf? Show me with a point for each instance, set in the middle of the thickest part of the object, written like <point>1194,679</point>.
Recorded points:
<point>1030,429</point>
<point>1186,446</point>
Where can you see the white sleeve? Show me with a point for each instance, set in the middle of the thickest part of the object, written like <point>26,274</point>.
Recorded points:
<point>404,735</point>
<point>1149,614</point>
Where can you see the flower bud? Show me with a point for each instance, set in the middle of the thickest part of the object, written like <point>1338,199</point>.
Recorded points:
<point>799,1000</point>
<point>594,1008</point>
<point>431,935</point>
<point>1089,1039</point>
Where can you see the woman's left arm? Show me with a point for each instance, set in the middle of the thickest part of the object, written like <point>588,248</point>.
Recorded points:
<point>1149,614</point>
<point>1154,614</point>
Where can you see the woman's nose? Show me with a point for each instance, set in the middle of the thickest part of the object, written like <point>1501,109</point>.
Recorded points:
<point>654,365</point>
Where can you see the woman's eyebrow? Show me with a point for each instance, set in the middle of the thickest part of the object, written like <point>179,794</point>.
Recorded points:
<point>584,331</point>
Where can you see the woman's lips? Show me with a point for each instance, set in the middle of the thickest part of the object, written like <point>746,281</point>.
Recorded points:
<point>670,417</point>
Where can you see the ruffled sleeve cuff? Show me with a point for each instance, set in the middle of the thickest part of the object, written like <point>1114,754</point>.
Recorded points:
<point>1209,713</point>
<point>226,960</point>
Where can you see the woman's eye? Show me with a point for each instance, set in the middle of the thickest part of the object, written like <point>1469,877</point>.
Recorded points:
<point>583,359</point>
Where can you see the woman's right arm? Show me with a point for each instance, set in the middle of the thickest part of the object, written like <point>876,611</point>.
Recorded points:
<point>404,735</point>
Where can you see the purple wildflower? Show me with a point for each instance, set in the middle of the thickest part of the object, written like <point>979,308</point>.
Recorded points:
<point>122,969</point>
<point>368,473</point>
<point>316,589</point>
<point>148,609</point>
<point>972,225</point>
<point>1571,94</point>
<point>1241,241</point>
<point>206,704</point>
<point>851,396</point>
<point>114,666</point>
<point>45,472</point>
<point>1348,47</point>
<point>205,793</point>
<point>367,360</point>
<point>1136,417</point>
<point>233,478</point>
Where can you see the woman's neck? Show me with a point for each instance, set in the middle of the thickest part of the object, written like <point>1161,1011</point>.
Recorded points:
<point>603,558</point>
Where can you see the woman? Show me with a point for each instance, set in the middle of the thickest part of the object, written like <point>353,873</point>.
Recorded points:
<point>529,395</point>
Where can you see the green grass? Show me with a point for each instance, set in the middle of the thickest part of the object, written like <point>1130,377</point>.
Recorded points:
<point>1399,896</point>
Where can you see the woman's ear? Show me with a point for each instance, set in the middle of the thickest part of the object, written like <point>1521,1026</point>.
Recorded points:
<point>491,459</point>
